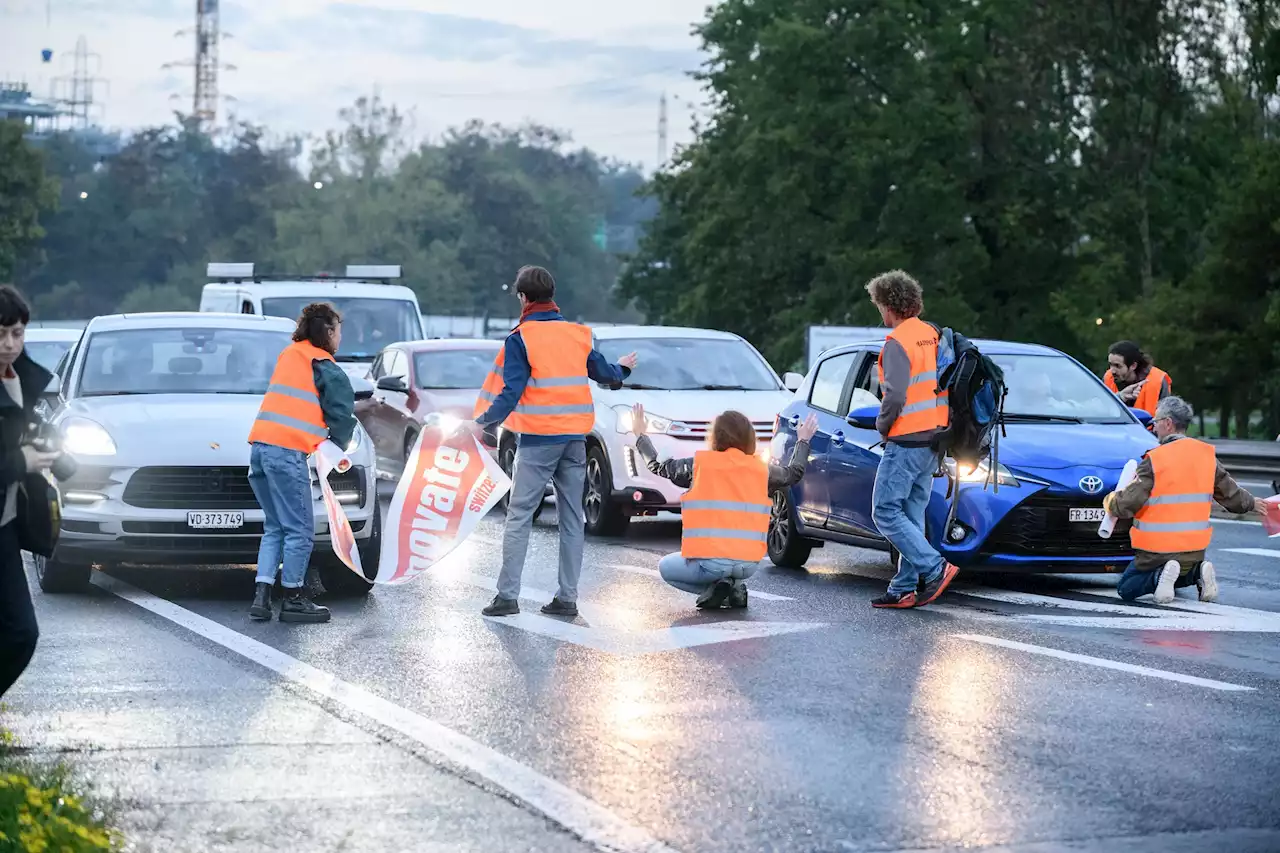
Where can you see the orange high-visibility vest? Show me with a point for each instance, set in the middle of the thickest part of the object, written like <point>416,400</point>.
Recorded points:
<point>925,408</point>
<point>557,400</point>
<point>290,415</point>
<point>1176,516</point>
<point>1149,396</point>
<point>725,513</point>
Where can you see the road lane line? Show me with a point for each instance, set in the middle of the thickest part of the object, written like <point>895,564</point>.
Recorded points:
<point>1034,600</point>
<point>1104,663</point>
<point>654,573</point>
<point>1235,521</point>
<point>580,816</point>
<point>1254,552</point>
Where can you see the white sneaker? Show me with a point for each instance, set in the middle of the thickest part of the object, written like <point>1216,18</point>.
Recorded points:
<point>1208,583</point>
<point>1164,587</point>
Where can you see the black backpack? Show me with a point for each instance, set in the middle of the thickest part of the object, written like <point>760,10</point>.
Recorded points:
<point>976,392</point>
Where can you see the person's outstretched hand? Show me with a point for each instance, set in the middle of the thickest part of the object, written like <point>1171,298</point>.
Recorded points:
<point>628,361</point>
<point>638,422</point>
<point>808,428</point>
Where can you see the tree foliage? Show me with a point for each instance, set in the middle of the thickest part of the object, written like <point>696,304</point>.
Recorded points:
<point>1066,173</point>
<point>24,192</point>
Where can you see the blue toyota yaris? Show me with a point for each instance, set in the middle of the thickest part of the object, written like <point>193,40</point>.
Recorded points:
<point>1067,439</point>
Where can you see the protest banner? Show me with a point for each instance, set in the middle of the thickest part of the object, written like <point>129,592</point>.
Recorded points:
<point>329,457</point>
<point>449,483</point>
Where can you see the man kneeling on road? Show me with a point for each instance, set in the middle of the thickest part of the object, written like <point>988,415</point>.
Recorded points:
<point>1170,502</point>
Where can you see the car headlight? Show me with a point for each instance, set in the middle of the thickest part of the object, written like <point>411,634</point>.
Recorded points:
<point>764,454</point>
<point>653,423</point>
<point>81,437</point>
<point>354,444</point>
<point>980,473</point>
<point>448,423</point>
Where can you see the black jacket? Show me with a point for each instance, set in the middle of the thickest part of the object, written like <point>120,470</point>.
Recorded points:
<point>14,421</point>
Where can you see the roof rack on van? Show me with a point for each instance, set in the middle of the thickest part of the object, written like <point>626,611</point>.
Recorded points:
<point>355,272</point>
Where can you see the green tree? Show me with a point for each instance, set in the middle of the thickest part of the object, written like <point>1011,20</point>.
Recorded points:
<point>25,191</point>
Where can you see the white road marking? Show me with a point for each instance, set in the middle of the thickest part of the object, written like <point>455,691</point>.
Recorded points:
<point>579,815</point>
<point>1104,663</point>
<point>1034,600</point>
<point>610,634</point>
<point>654,573</point>
<point>1254,552</point>
<point>1235,521</point>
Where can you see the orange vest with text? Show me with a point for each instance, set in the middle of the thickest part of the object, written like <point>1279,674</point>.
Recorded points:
<point>290,415</point>
<point>725,513</point>
<point>1175,518</point>
<point>1149,396</point>
<point>925,408</point>
<point>557,400</point>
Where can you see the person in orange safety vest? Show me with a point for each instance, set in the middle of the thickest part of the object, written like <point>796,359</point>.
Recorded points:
<point>309,399</point>
<point>1170,502</point>
<point>540,389</point>
<point>1131,375</point>
<point>725,513</point>
<point>912,413</point>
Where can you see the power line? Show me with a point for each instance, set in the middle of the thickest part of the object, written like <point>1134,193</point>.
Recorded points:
<point>520,93</point>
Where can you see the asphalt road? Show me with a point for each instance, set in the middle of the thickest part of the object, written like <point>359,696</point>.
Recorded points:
<point>1019,714</point>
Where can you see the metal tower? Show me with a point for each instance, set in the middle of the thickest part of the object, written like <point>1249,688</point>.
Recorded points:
<point>75,92</point>
<point>205,97</point>
<point>662,132</point>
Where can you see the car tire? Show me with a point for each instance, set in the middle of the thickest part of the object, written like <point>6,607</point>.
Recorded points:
<point>603,515</point>
<point>507,462</point>
<point>787,548</point>
<point>56,577</point>
<point>340,580</point>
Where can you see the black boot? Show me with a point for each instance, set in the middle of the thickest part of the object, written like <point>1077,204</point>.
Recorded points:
<point>260,610</point>
<point>298,608</point>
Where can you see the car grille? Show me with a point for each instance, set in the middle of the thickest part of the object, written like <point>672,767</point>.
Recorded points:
<point>697,430</point>
<point>211,488</point>
<point>1040,528</point>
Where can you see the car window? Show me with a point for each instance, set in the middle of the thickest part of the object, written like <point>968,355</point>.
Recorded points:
<point>47,354</point>
<point>687,364</point>
<point>379,367</point>
<point>867,390</point>
<point>460,369</point>
<point>397,366</point>
<point>368,324</point>
<point>1049,386</point>
<point>828,384</point>
<point>186,360</point>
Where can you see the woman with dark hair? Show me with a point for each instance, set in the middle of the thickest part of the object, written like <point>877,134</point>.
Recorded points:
<point>309,399</point>
<point>1133,377</point>
<point>23,380</point>
<point>725,513</point>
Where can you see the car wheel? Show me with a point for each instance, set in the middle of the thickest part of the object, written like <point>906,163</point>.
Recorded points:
<point>604,516</point>
<point>507,462</point>
<point>787,548</point>
<point>56,576</point>
<point>340,580</point>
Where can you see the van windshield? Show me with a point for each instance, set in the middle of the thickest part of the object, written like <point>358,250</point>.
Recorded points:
<point>368,324</point>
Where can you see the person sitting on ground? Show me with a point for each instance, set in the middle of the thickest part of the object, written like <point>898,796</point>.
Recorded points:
<point>725,513</point>
<point>1169,502</point>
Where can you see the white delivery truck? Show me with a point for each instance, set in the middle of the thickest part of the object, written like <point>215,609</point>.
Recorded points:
<point>375,311</point>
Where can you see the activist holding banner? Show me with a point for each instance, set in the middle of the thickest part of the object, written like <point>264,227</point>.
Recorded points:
<point>725,513</point>
<point>309,399</point>
<point>540,387</point>
<point>1170,500</point>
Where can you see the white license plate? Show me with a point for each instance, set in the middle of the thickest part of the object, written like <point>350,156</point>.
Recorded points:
<point>215,520</point>
<point>1093,513</point>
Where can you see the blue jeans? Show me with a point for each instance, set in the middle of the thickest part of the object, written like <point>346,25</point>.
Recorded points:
<point>904,480</point>
<point>281,482</point>
<point>697,576</point>
<point>565,465</point>
<point>1135,584</point>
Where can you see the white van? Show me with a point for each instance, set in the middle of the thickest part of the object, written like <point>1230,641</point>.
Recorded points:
<point>375,312</point>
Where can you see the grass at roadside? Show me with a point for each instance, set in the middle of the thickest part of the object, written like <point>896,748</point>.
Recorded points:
<point>42,809</point>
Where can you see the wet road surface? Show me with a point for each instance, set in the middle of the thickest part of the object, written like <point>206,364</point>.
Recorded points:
<point>1019,714</point>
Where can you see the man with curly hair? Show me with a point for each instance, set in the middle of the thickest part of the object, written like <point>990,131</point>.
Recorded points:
<point>912,413</point>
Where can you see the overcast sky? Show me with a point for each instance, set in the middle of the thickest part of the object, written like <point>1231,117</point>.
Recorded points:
<point>595,69</point>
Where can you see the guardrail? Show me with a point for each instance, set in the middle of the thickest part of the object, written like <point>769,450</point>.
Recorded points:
<point>1260,459</point>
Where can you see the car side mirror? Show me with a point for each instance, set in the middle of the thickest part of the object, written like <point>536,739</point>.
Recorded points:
<point>365,394</point>
<point>392,383</point>
<point>864,418</point>
<point>1142,415</point>
<point>792,381</point>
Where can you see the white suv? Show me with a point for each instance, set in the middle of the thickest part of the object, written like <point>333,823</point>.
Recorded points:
<point>684,378</point>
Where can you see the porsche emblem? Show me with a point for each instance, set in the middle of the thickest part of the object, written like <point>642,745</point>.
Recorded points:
<point>213,445</point>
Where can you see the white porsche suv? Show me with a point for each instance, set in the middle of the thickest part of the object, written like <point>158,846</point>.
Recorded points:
<point>684,378</point>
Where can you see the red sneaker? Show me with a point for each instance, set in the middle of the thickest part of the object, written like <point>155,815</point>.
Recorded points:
<point>901,602</point>
<point>931,591</point>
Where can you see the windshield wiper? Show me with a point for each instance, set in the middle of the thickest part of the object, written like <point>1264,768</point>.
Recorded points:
<point>640,386</point>
<point>119,393</point>
<point>724,388</point>
<point>1044,419</point>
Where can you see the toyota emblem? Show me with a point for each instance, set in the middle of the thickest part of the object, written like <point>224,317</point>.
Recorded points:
<point>1091,485</point>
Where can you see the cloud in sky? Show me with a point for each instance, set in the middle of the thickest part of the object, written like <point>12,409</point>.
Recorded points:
<point>586,67</point>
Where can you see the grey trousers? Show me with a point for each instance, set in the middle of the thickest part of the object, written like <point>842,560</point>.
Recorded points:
<point>564,465</point>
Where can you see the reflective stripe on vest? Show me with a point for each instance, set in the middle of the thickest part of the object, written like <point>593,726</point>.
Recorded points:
<point>1175,518</point>
<point>557,399</point>
<point>290,415</point>
<point>925,409</point>
<point>1149,396</point>
<point>725,513</point>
